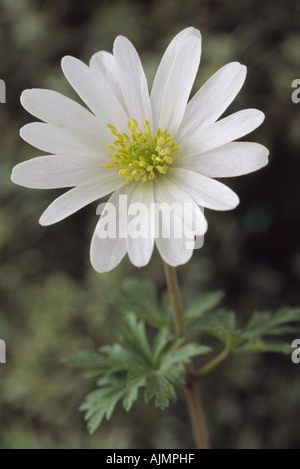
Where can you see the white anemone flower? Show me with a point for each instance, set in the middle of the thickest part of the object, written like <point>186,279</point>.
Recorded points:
<point>156,148</point>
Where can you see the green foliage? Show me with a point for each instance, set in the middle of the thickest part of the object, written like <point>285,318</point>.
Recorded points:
<point>140,297</point>
<point>203,304</point>
<point>134,363</point>
<point>257,336</point>
<point>125,368</point>
<point>205,315</point>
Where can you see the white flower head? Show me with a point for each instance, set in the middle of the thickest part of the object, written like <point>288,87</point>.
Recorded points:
<point>156,149</point>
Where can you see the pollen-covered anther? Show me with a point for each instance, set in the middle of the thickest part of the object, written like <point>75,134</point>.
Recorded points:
<point>140,156</point>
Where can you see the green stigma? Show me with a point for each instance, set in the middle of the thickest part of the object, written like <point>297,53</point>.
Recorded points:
<point>140,156</point>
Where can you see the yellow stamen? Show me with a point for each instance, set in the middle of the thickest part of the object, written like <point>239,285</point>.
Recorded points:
<point>140,156</point>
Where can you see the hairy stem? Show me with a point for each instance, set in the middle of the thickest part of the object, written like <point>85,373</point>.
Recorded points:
<point>191,392</point>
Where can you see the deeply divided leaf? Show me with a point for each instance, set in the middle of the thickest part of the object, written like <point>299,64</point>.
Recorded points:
<point>124,369</point>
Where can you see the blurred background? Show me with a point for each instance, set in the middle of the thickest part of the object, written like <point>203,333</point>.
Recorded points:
<point>51,301</point>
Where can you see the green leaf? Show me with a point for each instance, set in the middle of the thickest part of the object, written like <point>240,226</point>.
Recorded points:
<point>139,297</point>
<point>135,338</point>
<point>132,390</point>
<point>86,359</point>
<point>134,364</point>
<point>258,334</point>
<point>218,323</point>
<point>118,359</point>
<point>169,349</point>
<point>101,403</point>
<point>161,389</point>
<point>110,359</point>
<point>203,305</point>
<point>221,324</point>
<point>260,346</point>
<point>185,353</point>
<point>160,342</point>
<point>123,369</point>
<point>175,375</point>
<point>272,324</point>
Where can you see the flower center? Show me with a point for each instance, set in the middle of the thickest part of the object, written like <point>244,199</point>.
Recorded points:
<point>141,156</point>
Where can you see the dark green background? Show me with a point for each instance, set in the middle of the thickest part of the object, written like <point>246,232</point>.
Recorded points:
<point>51,301</point>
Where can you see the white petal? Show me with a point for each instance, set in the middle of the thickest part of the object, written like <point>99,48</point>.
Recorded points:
<point>232,159</point>
<point>107,252</point>
<point>176,239</point>
<point>52,172</point>
<point>173,251</point>
<point>213,98</point>
<point>94,90</point>
<point>55,108</point>
<point>223,131</point>
<point>133,81</point>
<point>186,210</point>
<point>174,80</point>
<point>205,191</point>
<point>140,248</point>
<point>106,63</point>
<point>57,140</point>
<point>77,198</point>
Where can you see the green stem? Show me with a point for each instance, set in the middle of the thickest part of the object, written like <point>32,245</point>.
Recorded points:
<point>191,392</point>
<point>210,366</point>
